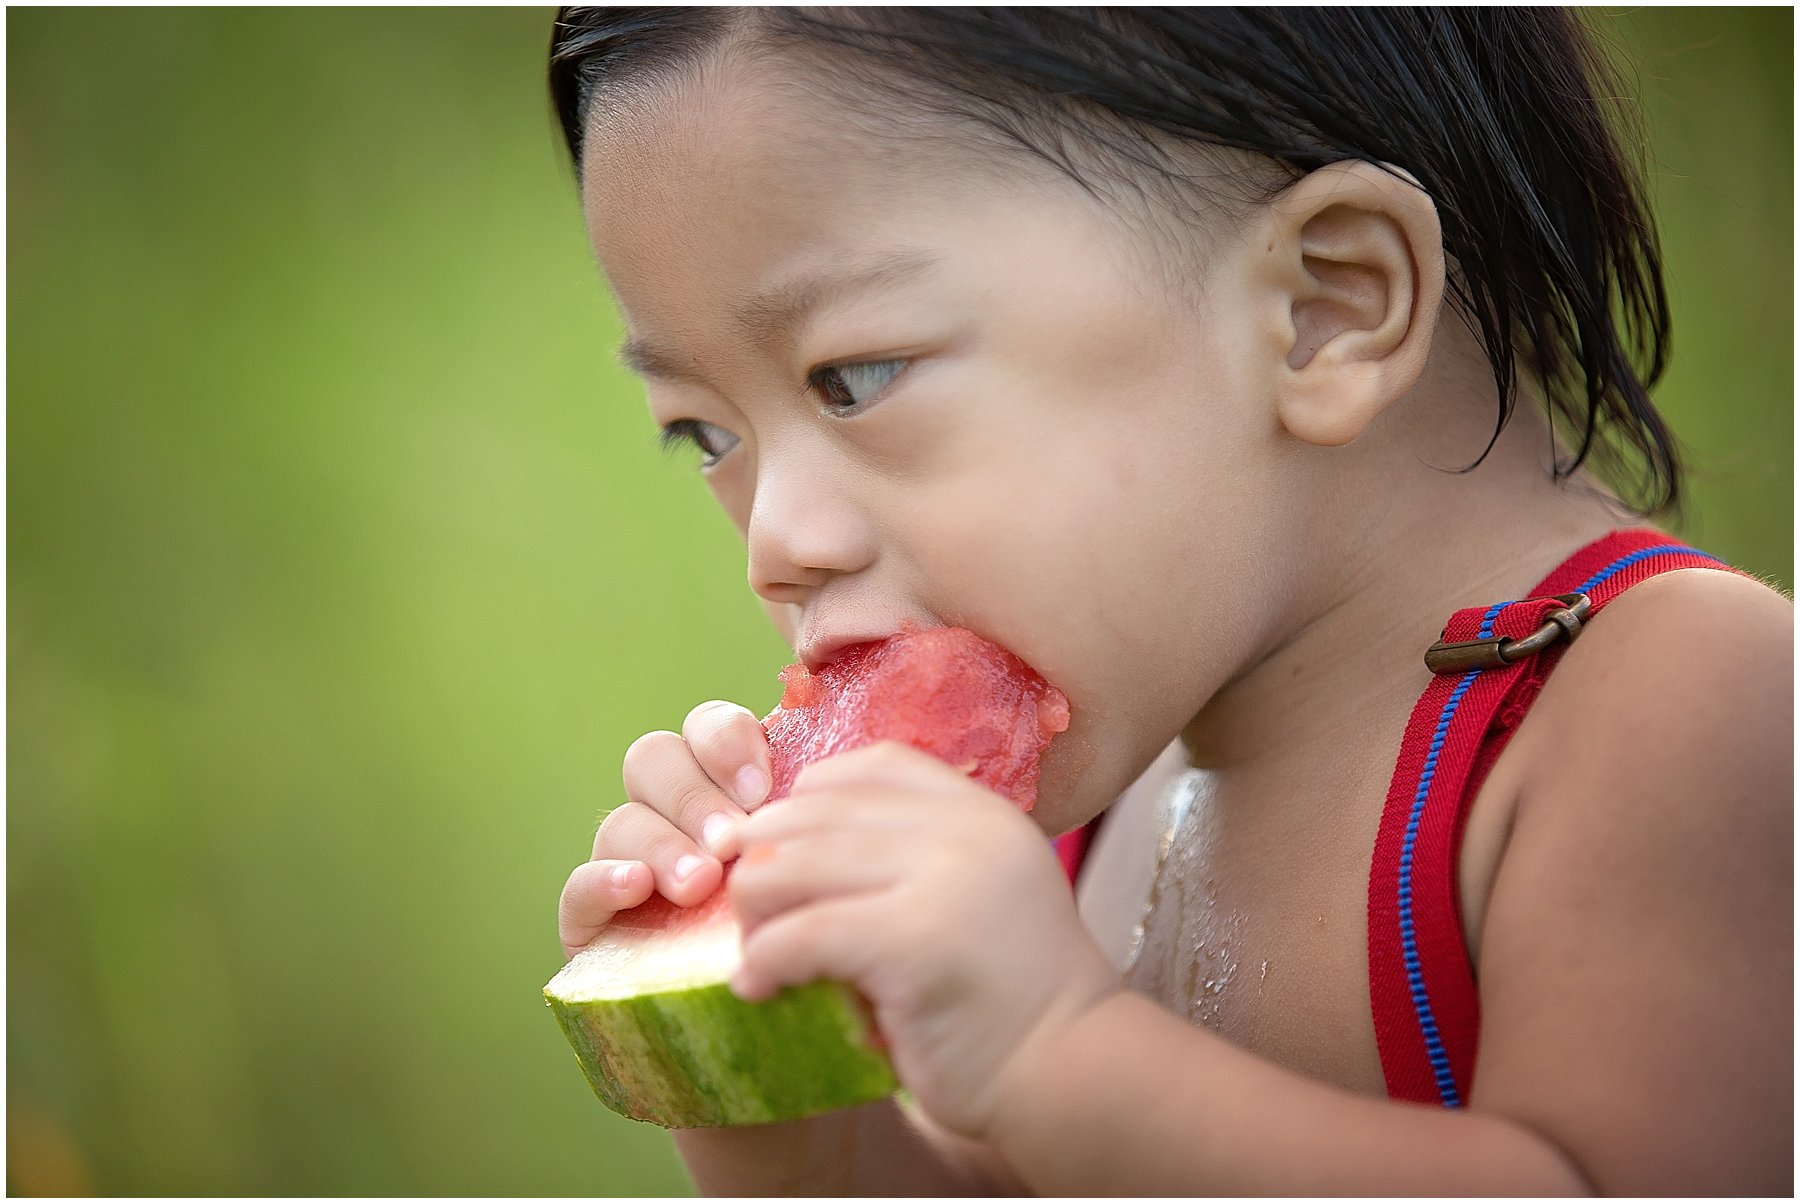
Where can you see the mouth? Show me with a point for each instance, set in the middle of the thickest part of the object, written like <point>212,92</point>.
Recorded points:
<point>818,649</point>
<point>816,654</point>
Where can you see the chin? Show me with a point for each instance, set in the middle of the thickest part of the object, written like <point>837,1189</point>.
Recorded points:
<point>1072,788</point>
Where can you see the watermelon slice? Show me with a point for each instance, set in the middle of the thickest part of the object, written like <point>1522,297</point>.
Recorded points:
<point>656,1030</point>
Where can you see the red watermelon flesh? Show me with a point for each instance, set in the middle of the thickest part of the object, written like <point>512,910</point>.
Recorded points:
<point>943,690</point>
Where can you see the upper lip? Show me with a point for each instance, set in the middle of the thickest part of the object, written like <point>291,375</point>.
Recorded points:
<point>820,648</point>
<point>818,651</point>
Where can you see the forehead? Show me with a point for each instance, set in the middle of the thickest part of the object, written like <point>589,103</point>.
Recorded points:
<point>700,154</point>
<point>738,171</point>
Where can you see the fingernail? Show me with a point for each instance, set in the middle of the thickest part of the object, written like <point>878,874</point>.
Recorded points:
<point>621,877</point>
<point>752,785</point>
<point>716,832</point>
<point>686,867</point>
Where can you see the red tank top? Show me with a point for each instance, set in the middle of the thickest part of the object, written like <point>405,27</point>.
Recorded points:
<point>1487,670</point>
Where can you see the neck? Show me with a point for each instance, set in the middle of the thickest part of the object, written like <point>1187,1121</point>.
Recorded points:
<point>1401,545</point>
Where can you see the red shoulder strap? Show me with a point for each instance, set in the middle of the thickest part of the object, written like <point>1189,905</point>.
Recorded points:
<point>1421,984</point>
<point>1072,846</point>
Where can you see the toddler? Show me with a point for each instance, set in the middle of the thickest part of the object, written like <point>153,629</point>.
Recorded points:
<point>1275,383</point>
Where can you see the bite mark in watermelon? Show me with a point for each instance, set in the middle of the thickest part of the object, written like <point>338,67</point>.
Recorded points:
<point>646,1007</point>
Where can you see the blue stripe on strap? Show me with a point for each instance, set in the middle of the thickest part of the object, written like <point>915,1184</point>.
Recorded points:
<point>1409,944</point>
<point>1625,562</point>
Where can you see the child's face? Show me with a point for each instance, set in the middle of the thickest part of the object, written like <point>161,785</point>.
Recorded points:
<point>1039,441</point>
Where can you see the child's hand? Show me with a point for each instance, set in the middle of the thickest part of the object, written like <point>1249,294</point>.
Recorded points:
<point>937,899</point>
<point>686,795</point>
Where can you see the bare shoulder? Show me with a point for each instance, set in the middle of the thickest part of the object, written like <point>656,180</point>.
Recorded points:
<point>1697,604</point>
<point>1685,677</point>
<point>1695,665</point>
<point>1670,720</point>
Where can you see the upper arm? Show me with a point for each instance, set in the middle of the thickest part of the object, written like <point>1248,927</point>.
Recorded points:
<point>1636,961</point>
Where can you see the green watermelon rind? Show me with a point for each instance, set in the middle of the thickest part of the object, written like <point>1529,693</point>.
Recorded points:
<point>700,1057</point>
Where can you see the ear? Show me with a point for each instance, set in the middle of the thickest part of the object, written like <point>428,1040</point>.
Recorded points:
<point>1355,273</point>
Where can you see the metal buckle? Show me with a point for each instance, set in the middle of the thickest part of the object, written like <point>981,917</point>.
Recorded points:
<point>1499,651</point>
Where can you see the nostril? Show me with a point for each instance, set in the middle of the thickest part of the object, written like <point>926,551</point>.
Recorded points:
<point>794,572</point>
<point>780,595</point>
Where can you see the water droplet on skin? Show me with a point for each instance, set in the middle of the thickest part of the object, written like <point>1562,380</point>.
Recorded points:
<point>1186,943</point>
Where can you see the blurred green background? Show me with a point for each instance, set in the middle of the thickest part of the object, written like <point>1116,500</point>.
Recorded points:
<point>342,570</point>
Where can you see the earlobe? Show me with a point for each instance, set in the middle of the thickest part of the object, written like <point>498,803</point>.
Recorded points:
<point>1360,284</point>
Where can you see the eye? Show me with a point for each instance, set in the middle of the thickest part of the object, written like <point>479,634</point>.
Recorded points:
<point>712,440</point>
<point>848,386</point>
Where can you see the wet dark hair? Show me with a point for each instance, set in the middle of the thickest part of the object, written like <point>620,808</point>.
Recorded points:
<point>1502,115</point>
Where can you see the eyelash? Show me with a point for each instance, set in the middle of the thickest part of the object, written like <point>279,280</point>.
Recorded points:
<point>690,431</point>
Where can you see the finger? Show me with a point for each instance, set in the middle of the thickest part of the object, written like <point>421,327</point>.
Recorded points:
<point>860,805</point>
<point>684,874</point>
<point>832,939</point>
<point>732,749</point>
<point>594,893</point>
<point>661,772</point>
<point>770,879</point>
<point>886,763</point>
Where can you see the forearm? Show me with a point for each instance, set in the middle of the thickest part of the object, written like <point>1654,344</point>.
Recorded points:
<point>1131,1100</point>
<point>878,1149</point>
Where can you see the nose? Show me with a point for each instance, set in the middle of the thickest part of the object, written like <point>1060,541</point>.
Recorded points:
<point>806,527</point>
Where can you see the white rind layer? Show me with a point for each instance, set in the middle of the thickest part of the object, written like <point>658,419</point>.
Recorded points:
<point>631,961</point>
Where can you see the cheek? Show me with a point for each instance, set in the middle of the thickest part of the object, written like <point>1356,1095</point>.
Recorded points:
<point>1044,557</point>
<point>1113,533</point>
<point>1120,566</point>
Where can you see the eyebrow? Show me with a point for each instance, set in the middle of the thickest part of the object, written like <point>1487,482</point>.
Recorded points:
<point>773,314</point>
